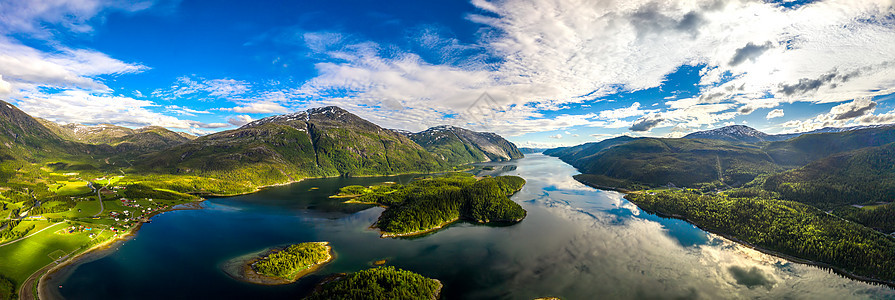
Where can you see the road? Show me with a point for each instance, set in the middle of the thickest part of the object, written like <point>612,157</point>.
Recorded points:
<point>99,196</point>
<point>27,236</point>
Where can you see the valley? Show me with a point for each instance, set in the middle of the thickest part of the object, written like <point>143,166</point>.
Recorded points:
<point>74,190</point>
<point>70,189</point>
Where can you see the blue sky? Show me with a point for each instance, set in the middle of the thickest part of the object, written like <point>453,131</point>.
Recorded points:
<point>554,72</point>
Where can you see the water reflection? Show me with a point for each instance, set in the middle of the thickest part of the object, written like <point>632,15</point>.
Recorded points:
<point>615,250</point>
<point>576,243</point>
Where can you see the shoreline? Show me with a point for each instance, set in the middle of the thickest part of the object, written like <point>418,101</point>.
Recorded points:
<point>262,187</point>
<point>43,289</point>
<point>240,267</point>
<point>41,275</point>
<point>837,270</point>
<point>415,233</point>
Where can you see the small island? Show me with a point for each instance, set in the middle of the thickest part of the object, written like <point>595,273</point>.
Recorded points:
<point>430,203</point>
<point>280,265</point>
<point>378,283</point>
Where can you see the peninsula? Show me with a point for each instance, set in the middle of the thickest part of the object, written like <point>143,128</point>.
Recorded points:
<point>428,204</point>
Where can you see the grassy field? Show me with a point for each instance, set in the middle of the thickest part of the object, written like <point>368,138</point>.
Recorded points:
<point>21,259</point>
<point>33,253</point>
<point>109,180</point>
<point>88,209</point>
<point>69,188</point>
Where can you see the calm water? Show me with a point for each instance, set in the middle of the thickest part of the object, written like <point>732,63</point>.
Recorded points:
<point>576,243</point>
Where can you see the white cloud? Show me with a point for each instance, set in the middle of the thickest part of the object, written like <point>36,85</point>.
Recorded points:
<point>550,53</point>
<point>556,136</point>
<point>31,16</point>
<point>185,111</point>
<point>647,123</point>
<point>26,68</point>
<point>625,112</point>
<point>5,87</point>
<point>777,113</point>
<point>239,120</point>
<point>74,106</point>
<point>532,57</point>
<point>857,112</point>
<point>258,108</point>
<point>201,88</point>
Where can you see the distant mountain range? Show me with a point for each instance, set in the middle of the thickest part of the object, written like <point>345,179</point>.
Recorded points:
<point>319,142</point>
<point>742,133</point>
<point>530,150</point>
<point>728,156</point>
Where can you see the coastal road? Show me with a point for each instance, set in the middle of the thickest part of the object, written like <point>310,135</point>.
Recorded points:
<point>27,236</point>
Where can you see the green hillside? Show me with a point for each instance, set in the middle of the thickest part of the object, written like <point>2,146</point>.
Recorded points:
<point>801,150</point>
<point>458,146</point>
<point>708,163</point>
<point>326,141</point>
<point>147,139</point>
<point>429,203</point>
<point>783,226</point>
<point>864,176</point>
<point>579,152</point>
<point>680,162</point>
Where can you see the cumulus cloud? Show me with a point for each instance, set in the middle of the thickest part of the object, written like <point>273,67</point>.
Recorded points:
<point>82,107</point>
<point>5,87</point>
<point>854,109</point>
<point>239,120</point>
<point>877,119</point>
<point>857,112</point>
<point>647,123</point>
<point>556,136</point>
<point>66,84</point>
<point>749,52</point>
<point>532,57</point>
<point>777,113</point>
<point>551,53</point>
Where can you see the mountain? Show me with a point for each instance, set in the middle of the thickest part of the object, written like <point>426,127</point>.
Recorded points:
<point>742,133</point>
<point>863,176</point>
<point>681,162</point>
<point>573,154</point>
<point>529,150</point>
<point>23,137</point>
<point>148,139</point>
<point>787,136</point>
<point>734,133</point>
<point>120,140</point>
<point>327,141</point>
<point>25,144</point>
<point>801,150</point>
<point>96,134</point>
<point>458,146</point>
<point>709,163</point>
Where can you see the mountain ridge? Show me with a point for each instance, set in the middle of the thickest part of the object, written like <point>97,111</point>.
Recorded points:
<point>459,145</point>
<point>743,133</point>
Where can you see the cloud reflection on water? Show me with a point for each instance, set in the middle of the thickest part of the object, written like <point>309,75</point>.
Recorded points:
<point>615,255</point>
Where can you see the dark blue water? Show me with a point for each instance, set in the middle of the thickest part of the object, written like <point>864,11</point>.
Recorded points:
<point>576,243</point>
